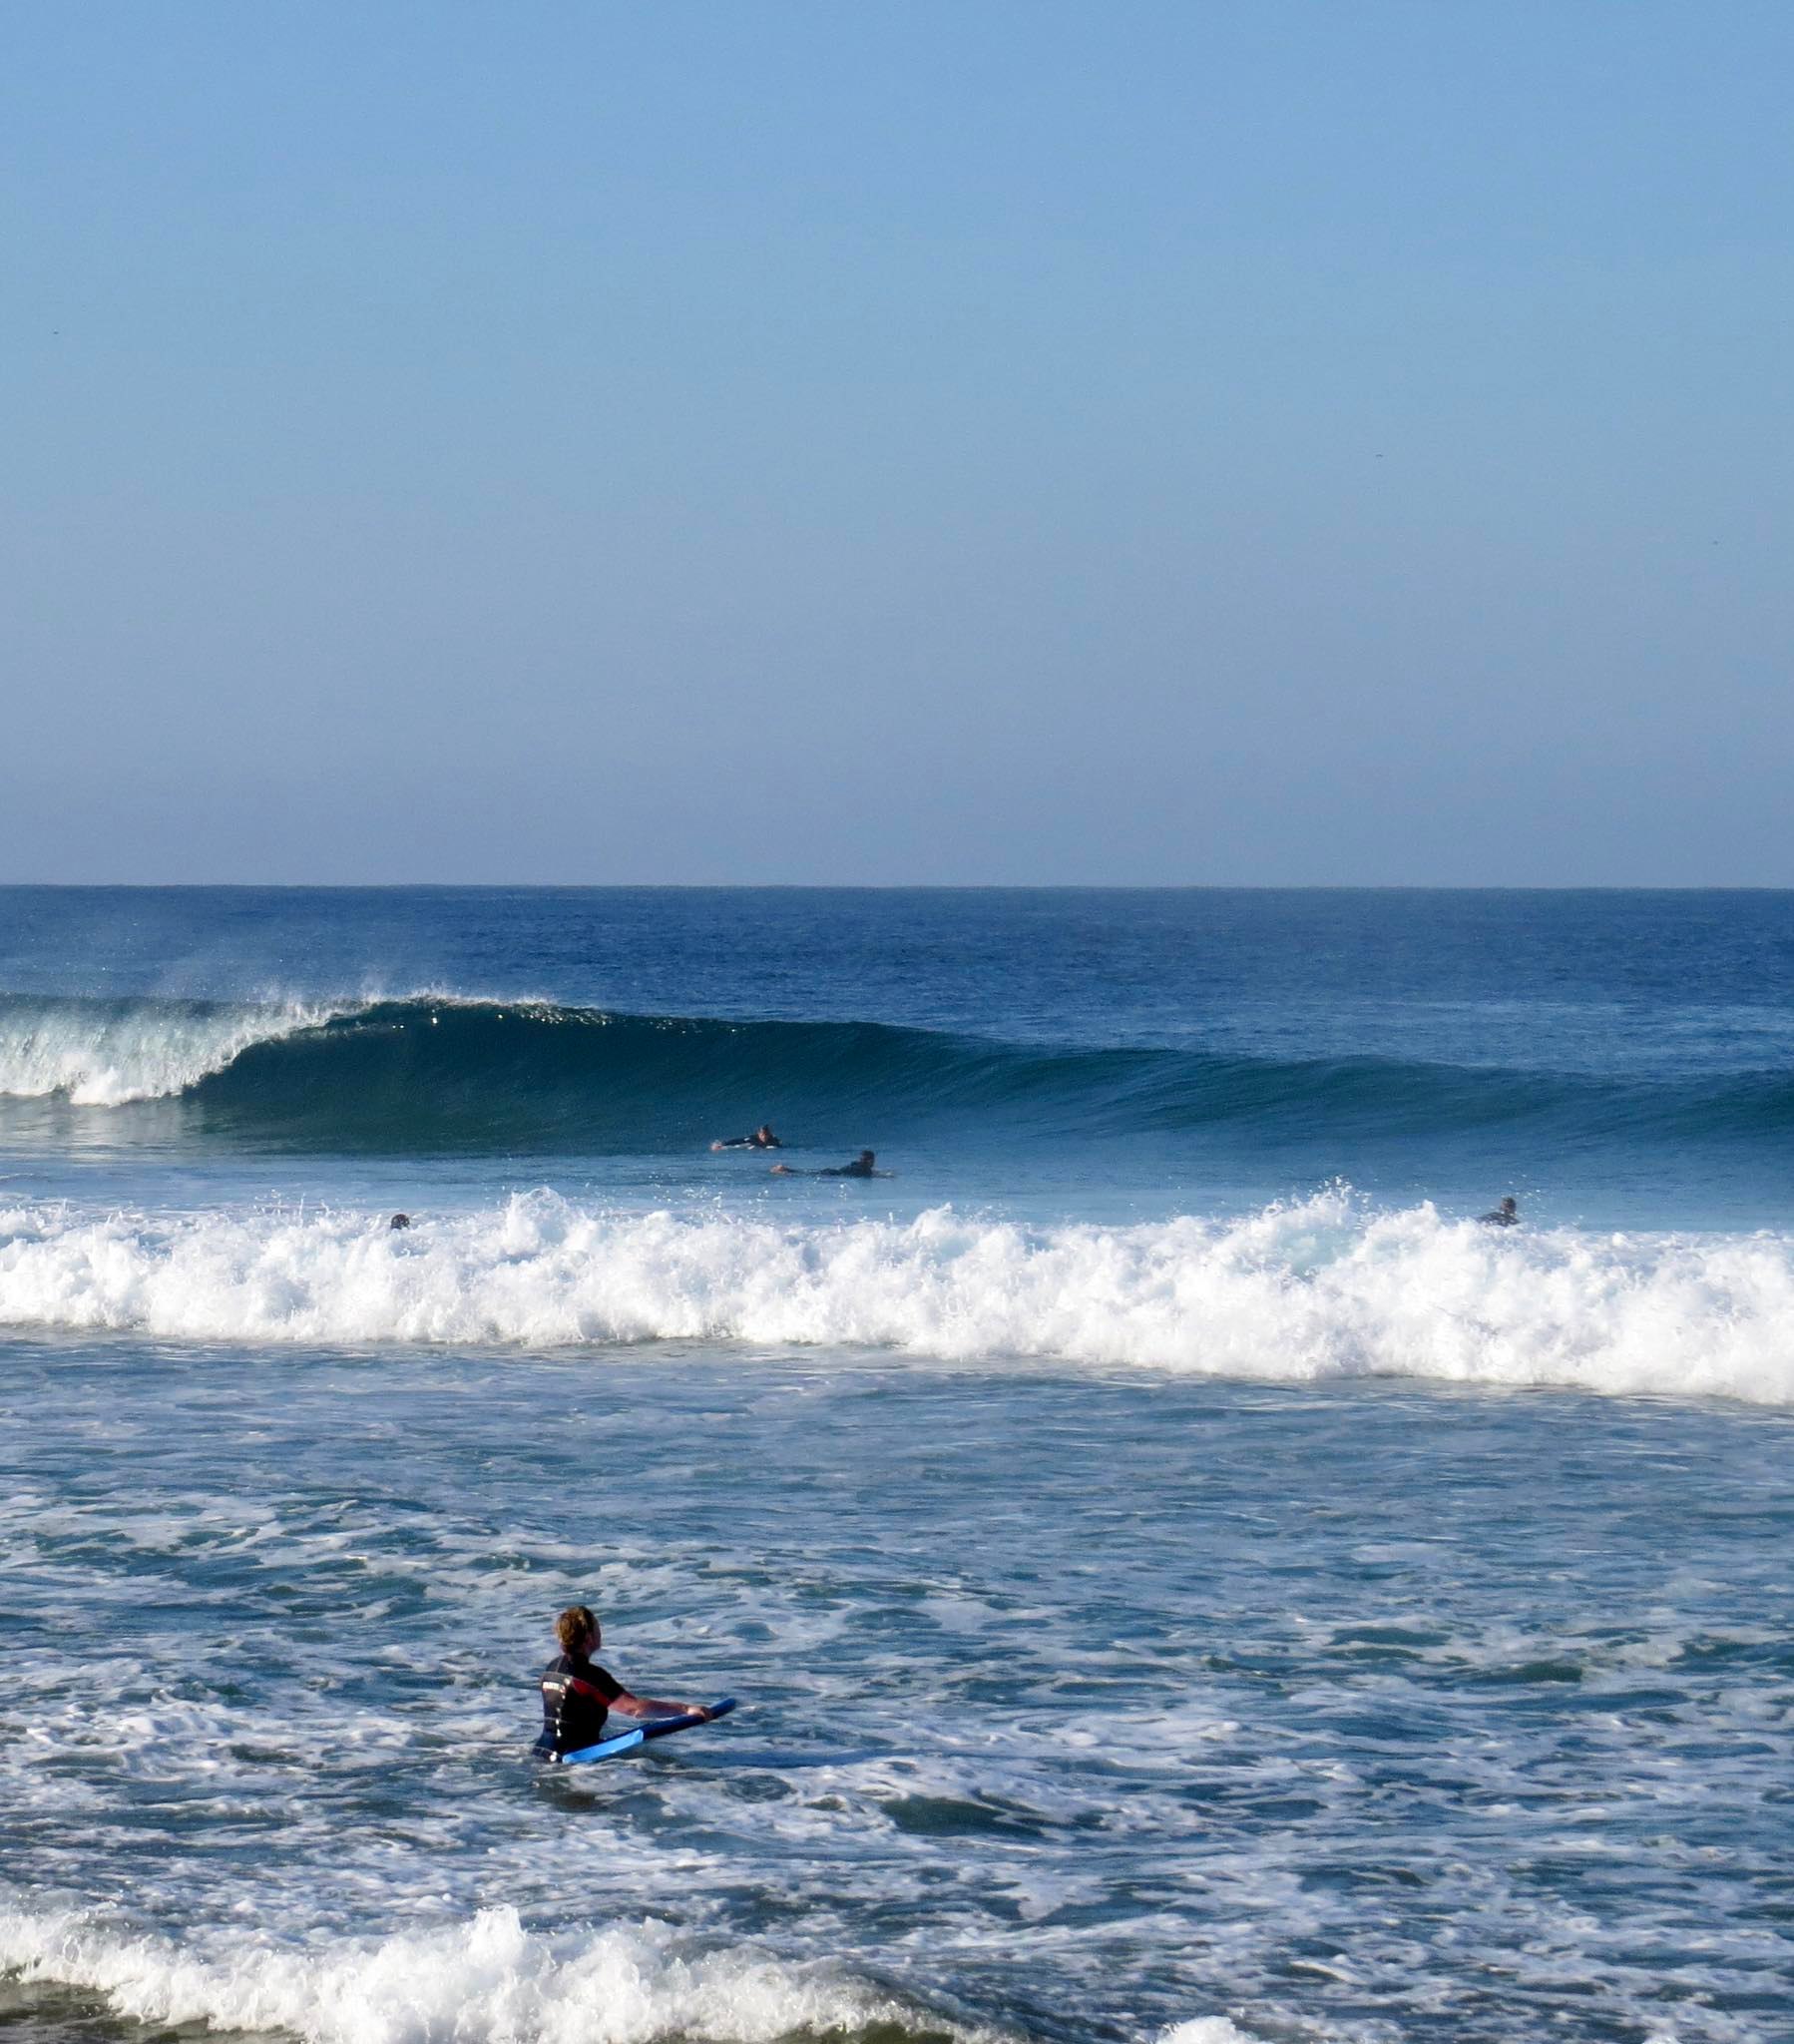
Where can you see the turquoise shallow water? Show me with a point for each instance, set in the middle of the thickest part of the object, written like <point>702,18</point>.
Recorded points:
<point>1185,1579</point>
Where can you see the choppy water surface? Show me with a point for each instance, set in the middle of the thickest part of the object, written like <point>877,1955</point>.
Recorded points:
<point>1187,1581</point>
<point>1072,1708</point>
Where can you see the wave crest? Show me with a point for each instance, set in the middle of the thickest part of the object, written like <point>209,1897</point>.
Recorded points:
<point>489,1981</point>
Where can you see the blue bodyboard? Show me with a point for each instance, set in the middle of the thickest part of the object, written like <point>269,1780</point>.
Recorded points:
<point>652,1728</point>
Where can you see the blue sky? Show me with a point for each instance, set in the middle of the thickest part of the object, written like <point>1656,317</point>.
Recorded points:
<point>1278,442</point>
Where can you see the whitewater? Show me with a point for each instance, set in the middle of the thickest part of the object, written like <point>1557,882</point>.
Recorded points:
<point>1187,1580</point>
<point>1318,1290</point>
<point>99,1053</point>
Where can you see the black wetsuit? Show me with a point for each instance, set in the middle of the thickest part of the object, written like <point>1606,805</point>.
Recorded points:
<point>1501,1218</point>
<point>751,1143</point>
<point>576,1696</point>
<point>853,1170</point>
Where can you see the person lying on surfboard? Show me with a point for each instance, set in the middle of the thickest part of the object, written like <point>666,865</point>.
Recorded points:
<point>861,1167</point>
<point>577,1695</point>
<point>761,1139</point>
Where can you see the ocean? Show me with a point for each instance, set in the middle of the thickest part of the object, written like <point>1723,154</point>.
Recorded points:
<point>1185,1579</point>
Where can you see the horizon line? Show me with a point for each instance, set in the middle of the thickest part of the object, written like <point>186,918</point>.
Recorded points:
<point>902,887</point>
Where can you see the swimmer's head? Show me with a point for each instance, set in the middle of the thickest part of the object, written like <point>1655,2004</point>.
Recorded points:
<point>577,1629</point>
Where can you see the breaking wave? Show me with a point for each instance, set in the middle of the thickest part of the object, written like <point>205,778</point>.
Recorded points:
<point>1324,1289</point>
<point>490,1981</point>
<point>97,1053</point>
<point>438,1074</point>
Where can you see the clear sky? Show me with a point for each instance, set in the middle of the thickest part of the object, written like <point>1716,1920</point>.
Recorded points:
<point>875,440</point>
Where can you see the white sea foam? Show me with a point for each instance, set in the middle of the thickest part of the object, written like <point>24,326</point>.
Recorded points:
<point>103,1054</point>
<point>491,1981</point>
<point>1316,1291</point>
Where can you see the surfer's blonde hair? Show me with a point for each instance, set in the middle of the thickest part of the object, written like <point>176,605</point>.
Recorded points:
<point>575,1627</point>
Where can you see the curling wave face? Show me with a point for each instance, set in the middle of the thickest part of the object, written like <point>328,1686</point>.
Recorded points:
<point>436,1073</point>
<point>1324,1289</point>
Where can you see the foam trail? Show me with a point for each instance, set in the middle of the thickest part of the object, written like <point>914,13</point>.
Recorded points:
<point>490,1981</point>
<point>1316,1291</point>
<point>107,1053</point>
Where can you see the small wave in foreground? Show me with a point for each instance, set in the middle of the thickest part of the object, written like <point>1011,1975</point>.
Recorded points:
<point>490,1981</point>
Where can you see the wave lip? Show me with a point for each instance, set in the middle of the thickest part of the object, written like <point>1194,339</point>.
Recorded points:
<point>1321,1289</point>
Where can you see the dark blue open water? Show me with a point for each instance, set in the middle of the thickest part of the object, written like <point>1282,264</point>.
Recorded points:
<point>1185,1579</point>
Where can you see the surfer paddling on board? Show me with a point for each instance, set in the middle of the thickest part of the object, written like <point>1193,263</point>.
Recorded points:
<point>761,1139</point>
<point>1506,1215</point>
<point>577,1695</point>
<point>861,1167</point>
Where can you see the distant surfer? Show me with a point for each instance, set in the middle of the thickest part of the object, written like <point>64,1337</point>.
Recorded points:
<point>761,1139</point>
<point>1506,1215</point>
<point>861,1167</point>
<point>577,1695</point>
<point>399,1221</point>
